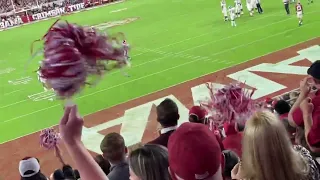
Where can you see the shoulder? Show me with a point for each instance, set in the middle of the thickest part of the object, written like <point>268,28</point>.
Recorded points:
<point>314,171</point>
<point>119,172</point>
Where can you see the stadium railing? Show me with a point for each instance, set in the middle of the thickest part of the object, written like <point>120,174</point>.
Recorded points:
<point>28,11</point>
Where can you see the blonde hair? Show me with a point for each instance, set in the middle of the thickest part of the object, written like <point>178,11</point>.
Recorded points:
<point>150,162</point>
<point>267,151</point>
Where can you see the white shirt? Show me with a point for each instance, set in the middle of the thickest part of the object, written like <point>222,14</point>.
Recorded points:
<point>165,130</point>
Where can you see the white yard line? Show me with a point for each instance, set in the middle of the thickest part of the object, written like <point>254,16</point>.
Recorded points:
<point>204,34</point>
<point>149,75</point>
<point>171,44</point>
<point>118,10</point>
<point>40,110</point>
<point>12,92</point>
<point>201,45</point>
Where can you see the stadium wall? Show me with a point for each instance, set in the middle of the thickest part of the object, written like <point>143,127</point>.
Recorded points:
<point>21,20</point>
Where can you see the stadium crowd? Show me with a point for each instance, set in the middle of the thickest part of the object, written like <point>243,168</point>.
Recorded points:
<point>279,141</point>
<point>30,7</point>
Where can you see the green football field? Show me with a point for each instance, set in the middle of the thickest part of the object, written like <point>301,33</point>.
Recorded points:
<point>172,41</point>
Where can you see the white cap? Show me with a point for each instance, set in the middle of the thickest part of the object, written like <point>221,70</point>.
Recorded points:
<point>30,164</point>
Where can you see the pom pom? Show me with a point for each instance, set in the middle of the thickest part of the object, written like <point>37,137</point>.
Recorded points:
<point>73,53</point>
<point>228,104</point>
<point>49,138</point>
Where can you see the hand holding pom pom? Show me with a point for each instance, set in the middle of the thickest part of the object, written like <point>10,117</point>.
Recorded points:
<point>228,104</point>
<point>73,53</point>
<point>49,138</point>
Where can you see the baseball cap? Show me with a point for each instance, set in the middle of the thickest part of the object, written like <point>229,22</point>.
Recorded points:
<point>29,164</point>
<point>198,111</point>
<point>314,70</point>
<point>194,152</point>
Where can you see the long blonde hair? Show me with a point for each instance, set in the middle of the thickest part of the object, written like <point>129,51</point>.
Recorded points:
<point>267,151</point>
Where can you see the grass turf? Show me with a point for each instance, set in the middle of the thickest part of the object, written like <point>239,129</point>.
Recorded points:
<point>186,29</point>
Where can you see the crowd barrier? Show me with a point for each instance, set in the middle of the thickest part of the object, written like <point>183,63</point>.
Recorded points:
<point>25,16</point>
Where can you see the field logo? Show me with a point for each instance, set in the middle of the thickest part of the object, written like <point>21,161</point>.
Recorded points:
<point>143,128</point>
<point>111,24</point>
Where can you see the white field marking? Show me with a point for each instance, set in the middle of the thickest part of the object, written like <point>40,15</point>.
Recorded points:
<point>118,10</point>
<point>243,45</point>
<point>143,77</point>
<point>187,56</point>
<point>6,71</point>
<point>44,95</point>
<point>194,47</point>
<point>24,80</point>
<point>12,104</point>
<point>204,34</point>
<point>216,30</point>
<point>20,72</point>
<point>220,52</point>
<point>12,92</point>
<point>40,110</point>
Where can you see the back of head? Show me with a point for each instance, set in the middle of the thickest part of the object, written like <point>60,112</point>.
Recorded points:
<point>113,147</point>
<point>282,107</point>
<point>38,176</point>
<point>150,162</point>
<point>267,151</point>
<point>104,164</point>
<point>197,114</point>
<point>29,169</point>
<point>167,113</point>
<point>194,153</point>
<point>68,172</point>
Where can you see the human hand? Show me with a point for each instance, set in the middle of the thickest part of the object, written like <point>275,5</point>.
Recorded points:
<point>71,126</point>
<point>306,106</point>
<point>236,172</point>
<point>304,87</point>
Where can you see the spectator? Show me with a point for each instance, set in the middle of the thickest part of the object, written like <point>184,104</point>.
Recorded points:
<point>29,169</point>
<point>194,153</point>
<point>167,116</point>
<point>57,175</point>
<point>197,114</point>
<point>114,150</point>
<point>282,108</point>
<point>104,164</point>
<point>269,155</point>
<point>233,140</point>
<point>149,162</point>
<point>230,159</point>
<point>70,127</point>
<point>296,117</point>
<point>67,173</point>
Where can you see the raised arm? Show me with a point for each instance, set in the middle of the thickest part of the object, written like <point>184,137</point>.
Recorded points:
<point>71,128</point>
<point>304,92</point>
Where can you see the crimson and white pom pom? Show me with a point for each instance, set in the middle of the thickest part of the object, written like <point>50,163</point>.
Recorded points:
<point>73,53</point>
<point>228,104</point>
<point>49,138</point>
